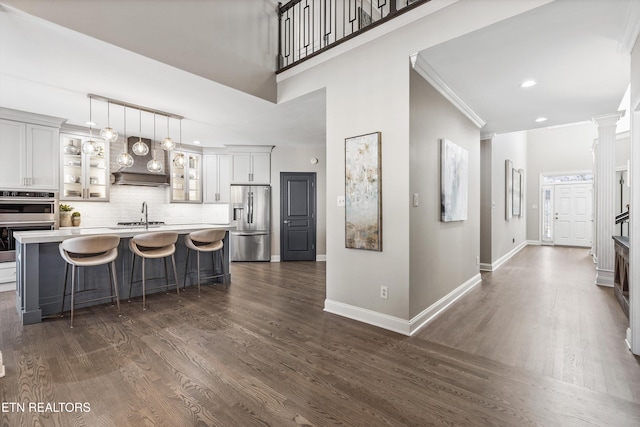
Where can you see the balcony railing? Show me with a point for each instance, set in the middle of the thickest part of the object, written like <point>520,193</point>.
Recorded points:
<point>309,27</point>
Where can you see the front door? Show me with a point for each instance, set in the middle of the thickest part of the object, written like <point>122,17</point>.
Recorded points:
<point>297,216</point>
<point>573,218</point>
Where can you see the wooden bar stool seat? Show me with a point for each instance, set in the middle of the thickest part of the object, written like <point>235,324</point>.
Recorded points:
<point>155,245</point>
<point>205,241</point>
<point>89,251</point>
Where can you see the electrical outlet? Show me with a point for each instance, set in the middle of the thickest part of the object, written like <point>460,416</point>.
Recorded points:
<point>384,292</point>
<point>416,200</point>
<point>477,260</point>
<point>340,201</point>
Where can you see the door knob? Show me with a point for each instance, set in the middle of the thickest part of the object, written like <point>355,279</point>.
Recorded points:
<point>287,221</point>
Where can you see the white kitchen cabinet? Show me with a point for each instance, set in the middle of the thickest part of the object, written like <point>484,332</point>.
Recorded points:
<point>186,180</point>
<point>251,168</point>
<point>30,156</point>
<point>83,176</point>
<point>217,178</point>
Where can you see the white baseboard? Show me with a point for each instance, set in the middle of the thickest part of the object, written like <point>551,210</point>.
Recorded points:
<point>494,266</point>
<point>276,258</point>
<point>6,287</point>
<point>370,317</point>
<point>604,278</point>
<point>432,311</point>
<point>396,324</point>
<point>534,243</point>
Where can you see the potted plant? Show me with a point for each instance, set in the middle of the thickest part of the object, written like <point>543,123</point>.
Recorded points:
<point>75,219</point>
<point>65,215</point>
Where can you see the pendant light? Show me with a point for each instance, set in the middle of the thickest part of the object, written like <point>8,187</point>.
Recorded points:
<point>89,146</point>
<point>124,159</point>
<point>153,165</point>
<point>109,134</point>
<point>140,148</point>
<point>178,160</point>
<point>167,143</point>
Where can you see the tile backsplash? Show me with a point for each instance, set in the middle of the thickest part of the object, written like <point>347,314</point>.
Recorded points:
<point>126,205</point>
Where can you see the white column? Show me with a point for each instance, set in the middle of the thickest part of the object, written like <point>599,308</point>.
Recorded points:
<point>633,333</point>
<point>605,186</point>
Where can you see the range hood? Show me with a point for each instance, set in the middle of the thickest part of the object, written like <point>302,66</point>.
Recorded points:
<point>138,174</point>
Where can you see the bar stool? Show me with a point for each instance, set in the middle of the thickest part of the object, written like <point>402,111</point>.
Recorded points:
<point>161,244</point>
<point>89,251</point>
<point>205,241</point>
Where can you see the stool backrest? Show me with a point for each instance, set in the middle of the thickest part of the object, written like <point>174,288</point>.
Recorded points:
<point>88,245</point>
<point>157,239</point>
<point>207,236</point>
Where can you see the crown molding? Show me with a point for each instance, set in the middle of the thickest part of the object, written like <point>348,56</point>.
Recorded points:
<point>430,75</point>
<point>631,28</point>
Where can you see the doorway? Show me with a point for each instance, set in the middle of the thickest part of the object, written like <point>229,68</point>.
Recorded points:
<point>566,215</point>
<point>297,216</point>
<point>573,214</point>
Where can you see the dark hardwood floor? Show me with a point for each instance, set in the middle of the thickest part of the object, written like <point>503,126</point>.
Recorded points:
<point>536,344</point>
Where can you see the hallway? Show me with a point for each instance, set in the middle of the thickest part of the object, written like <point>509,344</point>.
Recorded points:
<point>541,312</point>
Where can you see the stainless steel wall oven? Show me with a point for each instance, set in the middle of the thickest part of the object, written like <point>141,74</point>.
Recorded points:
<point>24,211</point>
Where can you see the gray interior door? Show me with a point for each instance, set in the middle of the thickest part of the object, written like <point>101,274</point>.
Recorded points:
<point>297,216</point>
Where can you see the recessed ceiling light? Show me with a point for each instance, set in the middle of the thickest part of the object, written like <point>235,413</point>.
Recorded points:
<point>196,142</point>
<point>528,83</point>
<point>541,119</point>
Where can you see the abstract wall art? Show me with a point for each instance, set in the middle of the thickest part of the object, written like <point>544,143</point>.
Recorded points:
<point>454,182</point>
<point>363,192</point>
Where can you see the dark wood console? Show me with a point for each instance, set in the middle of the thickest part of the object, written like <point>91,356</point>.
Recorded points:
<point>621,275</point>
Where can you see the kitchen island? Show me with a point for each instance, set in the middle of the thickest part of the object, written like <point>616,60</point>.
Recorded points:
<point>40,268</point>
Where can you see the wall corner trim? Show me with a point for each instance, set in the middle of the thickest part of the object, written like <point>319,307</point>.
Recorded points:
<point>504,258</point>
<point>431,76</point>
<point>396,324</point>
<point>428,314</point>
<point>370,317</point>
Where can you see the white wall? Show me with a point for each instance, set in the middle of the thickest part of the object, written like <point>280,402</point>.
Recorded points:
<point>297,159</point>
<point>550,150</point>
<point>443,254</point>
<point>367,90</point>
<point>159,29</point>
<point>561,149</point>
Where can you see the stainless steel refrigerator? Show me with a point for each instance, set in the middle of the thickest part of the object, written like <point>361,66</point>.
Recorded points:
<point>251,215</point>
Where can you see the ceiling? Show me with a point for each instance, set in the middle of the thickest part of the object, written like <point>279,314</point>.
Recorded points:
<point>570,47</point>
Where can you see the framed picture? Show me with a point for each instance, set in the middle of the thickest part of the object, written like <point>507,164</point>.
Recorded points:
<point>516,199</point>
<point>508,189</point>
<point>522,189</point>
<point>363,192</point>
<point>454,181</point>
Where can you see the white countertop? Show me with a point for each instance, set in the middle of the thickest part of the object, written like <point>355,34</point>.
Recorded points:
<point>48,236</point>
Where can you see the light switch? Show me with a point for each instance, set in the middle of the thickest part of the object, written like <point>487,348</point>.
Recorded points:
<point>340,200</point>
<point>415,200</point>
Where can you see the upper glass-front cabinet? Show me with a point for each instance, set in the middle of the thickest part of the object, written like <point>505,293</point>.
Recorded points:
<point>186,179</point>
<point>83,176</point>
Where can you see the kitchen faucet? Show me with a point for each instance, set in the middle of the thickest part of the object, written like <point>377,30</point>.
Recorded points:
<point>145,211</point>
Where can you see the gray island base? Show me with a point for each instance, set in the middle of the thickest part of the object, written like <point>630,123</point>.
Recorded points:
<point>40,268</point>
